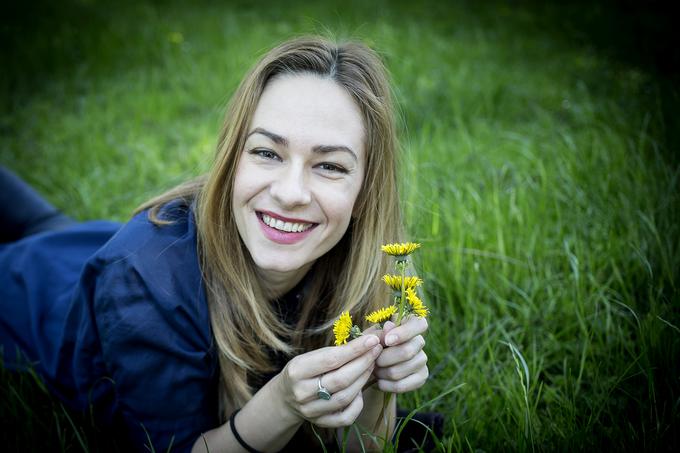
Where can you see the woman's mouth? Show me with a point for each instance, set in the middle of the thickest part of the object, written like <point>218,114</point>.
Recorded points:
<point>283,230</point>
<point>288,227</point>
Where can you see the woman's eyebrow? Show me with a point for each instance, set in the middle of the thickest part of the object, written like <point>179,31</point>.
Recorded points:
<point>321,149</point>
<point>279,140</point>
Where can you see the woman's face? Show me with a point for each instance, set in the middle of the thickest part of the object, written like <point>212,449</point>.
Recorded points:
<point>299,173</point>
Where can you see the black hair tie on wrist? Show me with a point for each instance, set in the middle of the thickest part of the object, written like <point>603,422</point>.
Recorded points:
<point>239,439</point>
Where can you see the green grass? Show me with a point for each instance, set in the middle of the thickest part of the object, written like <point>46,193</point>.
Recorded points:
<point>539,172</point>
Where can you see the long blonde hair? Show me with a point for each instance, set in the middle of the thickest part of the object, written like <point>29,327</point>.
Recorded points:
<point>244,323</point>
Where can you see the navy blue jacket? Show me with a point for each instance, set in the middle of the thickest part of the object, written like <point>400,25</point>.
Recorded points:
<point>114,318</point>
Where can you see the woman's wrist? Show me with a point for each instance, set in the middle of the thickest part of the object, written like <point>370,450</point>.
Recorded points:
<point>268,412</point>
<point>277,392</point>
<point>265,423</point>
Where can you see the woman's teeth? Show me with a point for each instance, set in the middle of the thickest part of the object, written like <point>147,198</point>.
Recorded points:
<point>285,226</point>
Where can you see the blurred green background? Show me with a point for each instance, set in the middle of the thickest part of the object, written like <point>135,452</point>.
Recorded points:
<point>539,171</point>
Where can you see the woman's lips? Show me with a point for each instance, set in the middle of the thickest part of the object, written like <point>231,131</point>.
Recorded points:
<point>284,237</point>
<point>283,218</point>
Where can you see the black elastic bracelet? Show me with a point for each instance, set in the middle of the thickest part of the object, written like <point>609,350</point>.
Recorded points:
<point>239,439</point>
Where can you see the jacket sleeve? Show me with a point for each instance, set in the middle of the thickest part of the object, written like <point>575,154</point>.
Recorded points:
<point>157,350</point>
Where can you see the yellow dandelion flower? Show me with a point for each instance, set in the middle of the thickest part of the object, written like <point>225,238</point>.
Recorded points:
<point>381,315</point>
<point>394,281</point>
<point>417,306</point>
<point>400,249</point>
<point>342,328</point>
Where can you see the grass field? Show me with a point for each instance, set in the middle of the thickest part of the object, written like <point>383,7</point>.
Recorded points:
<point>540,172</point>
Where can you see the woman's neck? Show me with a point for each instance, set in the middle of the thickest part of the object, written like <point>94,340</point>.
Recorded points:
<point>275,284</point>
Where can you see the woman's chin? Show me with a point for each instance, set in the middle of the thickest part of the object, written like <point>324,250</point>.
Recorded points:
<point>282,266</point>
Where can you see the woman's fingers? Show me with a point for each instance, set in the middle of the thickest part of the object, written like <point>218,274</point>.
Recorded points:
<point>409,383</point>
<point>341,378</point>
<point>342,418</point>
<point>375,330</point>
<point>323,360</point>
<point>402,370</point>
<point>337,380</point>
<point>339,400</point>
<point>413,326</point>
<point>401,353</point>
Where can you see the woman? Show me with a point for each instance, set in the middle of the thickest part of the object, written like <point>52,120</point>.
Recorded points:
<point>205,321</point>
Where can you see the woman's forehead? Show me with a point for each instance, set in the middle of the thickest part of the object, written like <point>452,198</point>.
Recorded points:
<point>310,109</point>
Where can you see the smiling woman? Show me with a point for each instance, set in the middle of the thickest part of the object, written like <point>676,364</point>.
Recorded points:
<point>204,322</point>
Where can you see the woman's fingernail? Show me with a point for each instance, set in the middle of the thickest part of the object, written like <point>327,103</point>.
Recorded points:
<point>377,350</point>
<point>391,339</point>
<point>372,340</point>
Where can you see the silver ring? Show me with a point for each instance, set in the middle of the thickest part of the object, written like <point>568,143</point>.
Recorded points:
<point>323,392</point>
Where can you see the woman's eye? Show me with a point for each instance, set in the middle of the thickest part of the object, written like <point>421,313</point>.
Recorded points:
<point>332,168</point>
<point>265,153</point>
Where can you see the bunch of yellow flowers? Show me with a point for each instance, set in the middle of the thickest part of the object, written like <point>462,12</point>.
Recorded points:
<point>406,301</point>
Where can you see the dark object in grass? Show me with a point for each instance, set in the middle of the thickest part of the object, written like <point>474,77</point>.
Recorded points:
<point>418,433</point>
<point>30,213</point>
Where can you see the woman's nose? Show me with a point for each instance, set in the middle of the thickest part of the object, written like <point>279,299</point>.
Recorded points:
<point>290,188</point>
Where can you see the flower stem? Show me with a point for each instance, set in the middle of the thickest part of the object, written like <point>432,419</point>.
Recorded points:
<point>401,265</point>
<point>382,417</point>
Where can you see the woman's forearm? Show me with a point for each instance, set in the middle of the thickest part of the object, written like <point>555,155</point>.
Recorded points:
<point>264,423</point>
<point>368,421</point>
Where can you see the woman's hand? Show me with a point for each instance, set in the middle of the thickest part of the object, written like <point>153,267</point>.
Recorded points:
<point>343,371</point>
<point>402,365</point>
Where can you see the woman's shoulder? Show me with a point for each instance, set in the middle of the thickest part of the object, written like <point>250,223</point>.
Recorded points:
<point>141,236</point>
<point>159,260</point>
